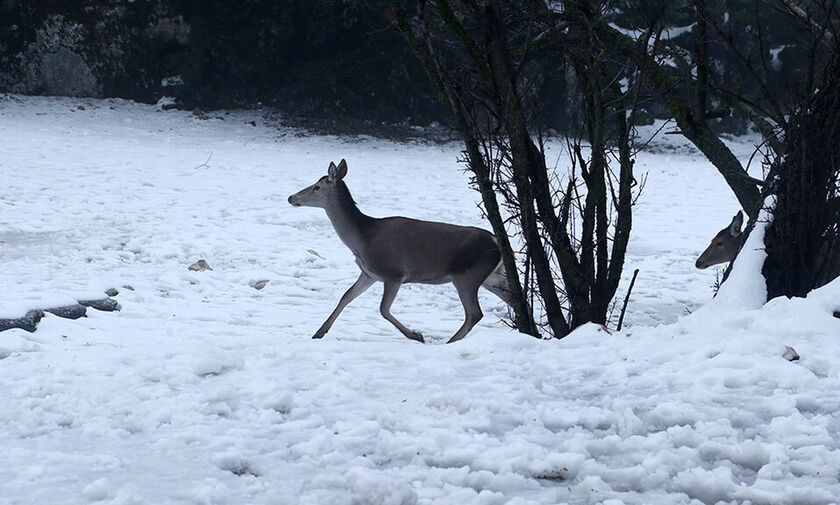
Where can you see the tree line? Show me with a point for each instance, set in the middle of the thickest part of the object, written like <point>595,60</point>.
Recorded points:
<point>336,58</point>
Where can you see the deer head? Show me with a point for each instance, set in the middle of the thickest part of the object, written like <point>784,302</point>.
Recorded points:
<point>324,193</point>
<point>724,246</point>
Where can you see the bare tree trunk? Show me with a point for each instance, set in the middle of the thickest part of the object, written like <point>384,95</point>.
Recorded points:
<point>528,166</point>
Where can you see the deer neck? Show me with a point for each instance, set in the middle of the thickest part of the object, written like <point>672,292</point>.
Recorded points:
<point>348,221</point>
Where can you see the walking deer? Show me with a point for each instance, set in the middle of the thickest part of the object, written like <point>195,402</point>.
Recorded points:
<point>399,250</point>
<point>724,246</point>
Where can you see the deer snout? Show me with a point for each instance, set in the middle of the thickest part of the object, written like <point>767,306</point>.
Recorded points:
<point>702,265</point>
<point>294,201</point>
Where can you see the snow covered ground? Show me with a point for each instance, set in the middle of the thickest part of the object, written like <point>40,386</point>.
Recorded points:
<point>205,390</point>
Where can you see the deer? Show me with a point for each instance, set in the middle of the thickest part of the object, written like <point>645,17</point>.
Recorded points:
<point>399,250</point>
<point>724,246</point>
<point>824,265</point>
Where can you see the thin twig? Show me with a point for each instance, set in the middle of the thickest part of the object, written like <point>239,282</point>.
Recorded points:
<point>626,299</point>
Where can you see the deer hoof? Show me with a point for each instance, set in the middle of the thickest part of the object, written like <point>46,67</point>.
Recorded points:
<point>417,336</point>
<point>318,334</point>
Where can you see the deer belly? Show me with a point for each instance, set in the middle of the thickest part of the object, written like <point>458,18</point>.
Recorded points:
<point>378,272</point>
<point>385,273</point>
<point>370,272</point>
<point>428,279</point>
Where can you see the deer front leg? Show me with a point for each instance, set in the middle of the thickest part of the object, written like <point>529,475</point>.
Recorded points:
<point>360,286</point>
<point>388,296</point>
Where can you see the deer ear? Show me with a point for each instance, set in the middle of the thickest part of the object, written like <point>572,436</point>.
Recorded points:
<point>332,172</point>
<point>341,169</point>
<point>735,225</point>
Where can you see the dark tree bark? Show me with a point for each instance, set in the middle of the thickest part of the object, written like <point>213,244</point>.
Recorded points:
<point>527,162</point>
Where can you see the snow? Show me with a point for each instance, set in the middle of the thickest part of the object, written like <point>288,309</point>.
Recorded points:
<point>204,390</point>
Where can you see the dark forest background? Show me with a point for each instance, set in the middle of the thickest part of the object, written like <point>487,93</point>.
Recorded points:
<point>319,58</point>
<point>340,60</point>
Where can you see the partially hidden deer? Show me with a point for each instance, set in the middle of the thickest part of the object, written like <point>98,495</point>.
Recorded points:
<point>724,246</point>
<point>400,250</point>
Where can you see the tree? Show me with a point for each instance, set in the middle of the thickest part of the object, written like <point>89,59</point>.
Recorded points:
<point>799,117</point>
<point>803,240</point>
<point>485,59</point>
<point>795,111</point>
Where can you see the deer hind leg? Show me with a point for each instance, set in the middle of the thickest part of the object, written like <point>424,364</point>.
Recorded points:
<point>497,284</point>
<point>360,286</point>
<point>388,295</point>
<point>468,293</point>
<point>467,284</point>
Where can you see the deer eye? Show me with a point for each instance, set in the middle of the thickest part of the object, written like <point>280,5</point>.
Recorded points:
<point>719,245</point>
<point>317,188</point>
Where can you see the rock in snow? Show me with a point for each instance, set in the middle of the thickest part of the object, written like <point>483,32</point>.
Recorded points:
<point>790,354</point>
<point>199,266</point>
